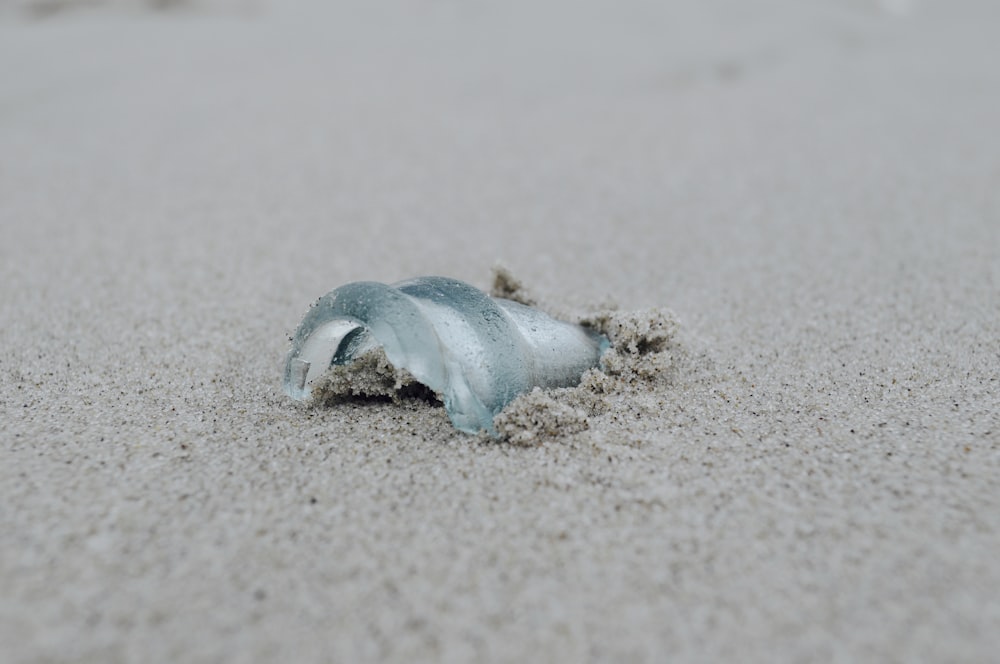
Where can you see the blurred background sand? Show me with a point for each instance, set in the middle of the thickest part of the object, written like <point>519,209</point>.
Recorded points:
<point>813,188</point>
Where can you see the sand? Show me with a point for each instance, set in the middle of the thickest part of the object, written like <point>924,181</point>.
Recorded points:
<point>809,193</point>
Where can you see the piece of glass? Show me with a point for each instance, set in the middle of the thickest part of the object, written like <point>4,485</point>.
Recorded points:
<point>475,352</point>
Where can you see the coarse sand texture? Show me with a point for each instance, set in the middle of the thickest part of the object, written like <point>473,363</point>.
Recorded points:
<point>784,216</point>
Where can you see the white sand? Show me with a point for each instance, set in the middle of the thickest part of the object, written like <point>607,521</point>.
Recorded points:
<point>813,189</point>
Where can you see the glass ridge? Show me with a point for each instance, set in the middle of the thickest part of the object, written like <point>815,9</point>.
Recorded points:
<point>477,353</point>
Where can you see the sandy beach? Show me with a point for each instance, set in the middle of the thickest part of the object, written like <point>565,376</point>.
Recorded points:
<point>808,194</point>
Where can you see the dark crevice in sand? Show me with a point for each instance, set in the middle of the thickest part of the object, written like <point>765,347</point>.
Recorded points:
<point>371,378</point>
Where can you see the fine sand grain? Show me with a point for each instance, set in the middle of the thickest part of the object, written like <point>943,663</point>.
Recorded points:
<point>786,217</point>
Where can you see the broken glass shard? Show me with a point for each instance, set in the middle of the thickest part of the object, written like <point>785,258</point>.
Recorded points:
<point>475,352</point>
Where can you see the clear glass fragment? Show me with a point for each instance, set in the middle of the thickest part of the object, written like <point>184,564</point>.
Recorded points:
<point>475,352</point>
